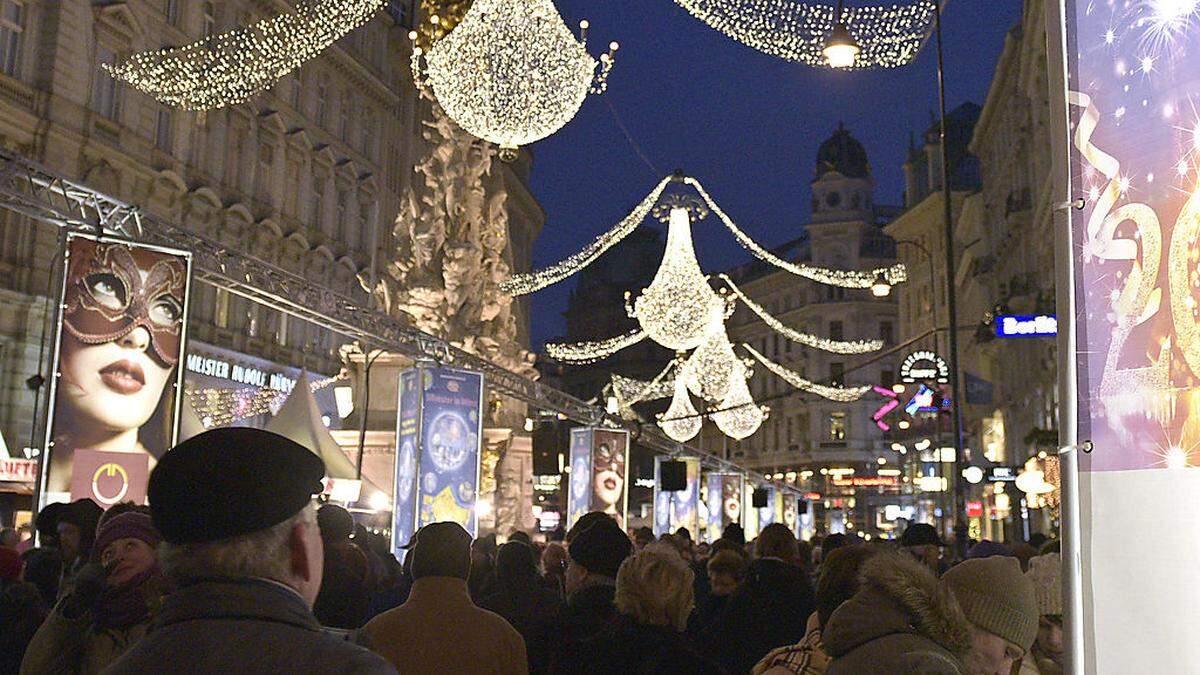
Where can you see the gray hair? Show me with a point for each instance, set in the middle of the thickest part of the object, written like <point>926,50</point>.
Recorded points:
<point>264,554</point>
<point>654,587</point>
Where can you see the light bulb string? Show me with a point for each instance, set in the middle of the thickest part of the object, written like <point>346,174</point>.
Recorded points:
<point>591,352</point>
<point>839,394</point>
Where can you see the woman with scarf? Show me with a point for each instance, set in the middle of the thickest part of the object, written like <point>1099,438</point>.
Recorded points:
<point>111,605</point>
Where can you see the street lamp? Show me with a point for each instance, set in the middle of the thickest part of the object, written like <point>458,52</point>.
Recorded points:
<point>881,288</point>
<point>841,50</point>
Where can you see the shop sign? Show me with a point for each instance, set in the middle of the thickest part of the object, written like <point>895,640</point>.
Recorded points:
<point>547,483</point>
<point>1002,474</point>
<point>18,470</point>
<point>1026,325</point>
<point>867,481</point>
<point>241,374</point>
<point>974,509</point>
<point>924,366</point>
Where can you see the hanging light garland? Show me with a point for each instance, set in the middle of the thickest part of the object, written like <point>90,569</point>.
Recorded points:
<point>591,352</point>
<point>844,278</point>
<point>218,407</point>
<point>889,36</point>
<point>680,422</point>
<point>630,391</point>
<point>839,394</point>
<point>675,309</point>
<point>523,284</point>
<point>511,72</point>
<point>738,416</point>
<point>230,67</point>
<point>806,339</point>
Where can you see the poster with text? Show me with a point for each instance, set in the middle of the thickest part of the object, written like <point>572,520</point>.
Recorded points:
<point>119,340</point>
<point>673,510</point>
<point>404,511</point>
<point>579,491</point>
<point>451,432</point>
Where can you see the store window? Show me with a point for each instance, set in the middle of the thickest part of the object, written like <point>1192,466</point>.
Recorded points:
<point>163,129</point>
<point>837,426</point>
<point>886,332</point>
<point>837,372</point>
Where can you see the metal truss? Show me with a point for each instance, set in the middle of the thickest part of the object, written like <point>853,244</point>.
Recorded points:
<point>39,193</point>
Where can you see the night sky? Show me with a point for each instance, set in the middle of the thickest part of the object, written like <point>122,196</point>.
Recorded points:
<point>744,123</point>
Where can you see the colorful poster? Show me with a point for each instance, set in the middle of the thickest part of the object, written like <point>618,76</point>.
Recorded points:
<point>119,340</point>
<point>404,511</point>
<point>731,511</point>
<point>109,478</point>
<point>714,488</point>
<point>579,497</point>
<point>749,513</point>
<point>766,514</point>
<point>679,509</point>
<point>451,432</point>
<point>599,465</point>
<point>791,516</point>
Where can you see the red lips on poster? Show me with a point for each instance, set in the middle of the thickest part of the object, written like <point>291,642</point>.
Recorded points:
<point>109,478</point>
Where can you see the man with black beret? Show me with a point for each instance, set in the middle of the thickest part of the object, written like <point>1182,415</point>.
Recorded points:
<point>241,542</point>
<point>596,553</point>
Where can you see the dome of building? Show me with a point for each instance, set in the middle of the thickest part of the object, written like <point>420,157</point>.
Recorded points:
<point>844,154</point>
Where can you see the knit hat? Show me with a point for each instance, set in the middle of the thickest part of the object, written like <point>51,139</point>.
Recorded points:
<point>128,525</point>
<point>996,597</point>
<point>1045,572</point>
<point>601,548</point>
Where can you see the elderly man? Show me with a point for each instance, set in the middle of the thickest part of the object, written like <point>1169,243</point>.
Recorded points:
<point>234,507</point>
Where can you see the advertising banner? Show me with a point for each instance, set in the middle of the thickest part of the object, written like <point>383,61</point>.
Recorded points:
<point>714,498</point>
<point>599,480</point>
<point>673,510</point>
<point>451,436</point>
<point>724,502</point>
<point>749,513</point>
<point>116,387</point>
<point>791,516</point>
<point>404,500</point>
<point>1133,102</point>
<point>109,478</point>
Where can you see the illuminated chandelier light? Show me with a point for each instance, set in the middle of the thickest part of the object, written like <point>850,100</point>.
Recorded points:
<point>889,35</point>
<point>709,370</point>
<point>839,394</point>
<point>230,67</point>
<point>895,274</point>
<point>675,309</point>
<point>738,416</point>
<point>591,352</point>
<point>680,422</point>
<point>630,391</point>
<point>523,284</point>
<point>218,407</point>
<point>806,339</point>
<point>512,73</point>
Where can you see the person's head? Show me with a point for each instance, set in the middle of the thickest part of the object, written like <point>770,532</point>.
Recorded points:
<point>726,571</point>
<point>584,522</point>
<point>10,565</point>
<point>336,524</point>
<point>839,578</point>
<point>642,537</point>
<point>999,602</point>
<point>734,533</point>
<point>921,540</point>
<point>77,529</point>
<point>596,552</point>
<point>554,558</point>
<point>46,524</point>
<point>122,325</point>
<point>832,543</point>
<point>1037,539</point>
<point>521,536</point>
<point>776,541</point>
<point>515,561</point>
<point>9,538</point>
<point>238,502</point>
<point>1045,573</point>
<point>127,545</point>
<point>684,533</point>
<point>442,550</point>
<point>988,548</point>
<point>654,587</point>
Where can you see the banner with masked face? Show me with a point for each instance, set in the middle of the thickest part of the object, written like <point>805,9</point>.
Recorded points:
<point>118,344</point>
<point>599,461</point>
<point>676,509</point>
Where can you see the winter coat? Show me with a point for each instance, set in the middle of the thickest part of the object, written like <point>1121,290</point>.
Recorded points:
<point>242,625</point>
<point>65,645</point>
<point>439,630</point>
<point>769,610</point>
<point>806,657</point>
<point>900,621</point>
<point>590,609</point>
<point>535,611</point>
<point>627,647</point>
<point>345,593</point>
<point>1034,663</point>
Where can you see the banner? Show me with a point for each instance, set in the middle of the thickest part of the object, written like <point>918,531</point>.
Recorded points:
<point>404,501</point>
<point>791,516</point>
<point>1133,79</point>
<point>724,502</point>
<point>766,514</point>
<point>118,345</point>
<point>109,478</point>
<point>673,510</point>
<point>599,479</point>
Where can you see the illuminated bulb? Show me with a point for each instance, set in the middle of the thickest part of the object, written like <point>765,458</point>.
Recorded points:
<point>739,417</point>
<point>378,501</point>
<point>1176,458</point>
<point>681,422</point>
<point>897,447</point>
<point>922,444</point>
<point>904,424</point>
<point>841,51</point>
<point>881,288</point>
<point>675,310</point>
<point>709,369</point>
<point>881,461</point>
<point>528,424</point>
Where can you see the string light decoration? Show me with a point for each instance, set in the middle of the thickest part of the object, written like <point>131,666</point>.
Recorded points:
<point>738,416</point>
<point>709,369</point>
<point>218,407</point>
<point>889,35</point>
<point>895,274</point>
<point>839,394</point>
<point>511,72</point>
<point>806,339</point>
<point>524,284</point>
<point>591,352</point>
<point>675,309</point>
<point>630,391</point>
<point>680,422</point>
<point>230,67</point>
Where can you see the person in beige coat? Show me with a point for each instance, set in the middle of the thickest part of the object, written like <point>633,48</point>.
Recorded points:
<point>438,629</point>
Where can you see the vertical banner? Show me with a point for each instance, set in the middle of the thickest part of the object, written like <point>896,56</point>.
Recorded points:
<point>579,492</point>
<point>1133,102</point>
<point>599,473</point>
<point>766,514</point>
<point>749,513</point>
<point>451,433</point>
<point>791,516</point>
<point>115,393</point>
<point>404,510</point>
<point>676,509</point>
<point>724,502</point>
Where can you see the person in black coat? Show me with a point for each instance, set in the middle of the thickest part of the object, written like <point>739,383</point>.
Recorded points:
<point>769,610</point>
<point>525,602</point>
<point>595,554</point>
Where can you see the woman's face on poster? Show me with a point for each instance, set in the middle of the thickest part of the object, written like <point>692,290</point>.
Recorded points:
<point>733,502</point>
<point>609,480</point>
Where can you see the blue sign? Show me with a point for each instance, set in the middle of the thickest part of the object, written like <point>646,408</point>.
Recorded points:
<point>451,437</point>
<point>579,491</point>
<point>404,511</point>
<point>715,490</point>
<point>1026,325</point>
<point>673,510</point>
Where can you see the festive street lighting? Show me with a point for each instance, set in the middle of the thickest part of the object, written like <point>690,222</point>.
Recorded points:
<point>709,369</point>
<point>840,48</point>
<point>681,422</point>
<point>881,288</point>
<point>738,416</point>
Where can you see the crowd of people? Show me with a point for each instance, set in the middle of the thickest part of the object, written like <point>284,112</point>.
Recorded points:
<point>234,568</point>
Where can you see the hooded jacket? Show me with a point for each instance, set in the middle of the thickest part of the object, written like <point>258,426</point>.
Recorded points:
<point>900,621</point>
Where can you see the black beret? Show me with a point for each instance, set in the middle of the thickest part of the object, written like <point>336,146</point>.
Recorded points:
<point>601,548</point>
<point>231,481</point>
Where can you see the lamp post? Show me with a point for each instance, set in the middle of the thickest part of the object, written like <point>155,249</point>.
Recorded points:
<point>368,361</point>
<point>837,44</point>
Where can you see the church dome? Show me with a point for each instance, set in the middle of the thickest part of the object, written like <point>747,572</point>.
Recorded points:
<point>844,154</point>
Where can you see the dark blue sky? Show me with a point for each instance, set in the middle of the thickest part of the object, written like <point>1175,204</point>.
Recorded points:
<point>744,123</point>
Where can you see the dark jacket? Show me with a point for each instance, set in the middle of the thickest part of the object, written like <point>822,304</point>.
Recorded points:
<point>900,621</point>
<point>589,610</point>
<point>769,610</point>
<point>625,646</point>
<point>535,611</point>
<point>345,594</point>
<point>242,626</point>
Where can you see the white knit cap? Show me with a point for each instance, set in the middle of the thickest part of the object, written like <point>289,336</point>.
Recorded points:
<point>1045,571</point>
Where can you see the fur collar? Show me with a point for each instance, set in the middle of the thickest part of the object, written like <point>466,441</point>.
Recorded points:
<point>930,605</point>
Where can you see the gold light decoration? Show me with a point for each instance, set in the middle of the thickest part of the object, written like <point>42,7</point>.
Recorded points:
<point>839,394</point>
<point>230,67</point>
<point>511,72</point>
<point>591,352</point>
<point>888,36</point>
<point>218,407</point>
<point>738,416</point>
<point>680,422</point>
<point>806,339</point>
<point>709,369</point>
<point>675,309</point>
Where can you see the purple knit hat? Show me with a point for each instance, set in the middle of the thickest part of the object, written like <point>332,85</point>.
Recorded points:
<point>129,525</point>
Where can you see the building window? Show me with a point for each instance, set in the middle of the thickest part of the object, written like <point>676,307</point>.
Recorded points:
<point>295,92</point>
<point>106,96</point>
<point>12,28</point>
<point>837,426</point>
<point>837,372</point>
<point>344,118</point>
<point>210,19</point>
<point>293,188</point>
<point>885,332</point>
<point>266,157</point>
<point>887,378</point>
<point>343,214</point>
<point>162,129</point>
<point>321,104</point>
<point>367,133</point>
<point>281,331</point>
<point>364,226</point>
<point>836,331</point>
<point>171,11</point>
<point>317,208</point>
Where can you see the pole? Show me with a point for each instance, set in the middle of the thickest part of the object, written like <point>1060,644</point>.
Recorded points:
<point>956,400</point>
<point>366,408</point>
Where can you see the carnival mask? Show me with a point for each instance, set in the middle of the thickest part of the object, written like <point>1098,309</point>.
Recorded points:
<point>106,297</point>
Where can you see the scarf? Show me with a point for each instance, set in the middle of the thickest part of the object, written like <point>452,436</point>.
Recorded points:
<point>128,604</point>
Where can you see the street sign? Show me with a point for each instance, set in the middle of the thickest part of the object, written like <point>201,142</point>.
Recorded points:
<point>1026,325</point>
<point>924,366</point>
